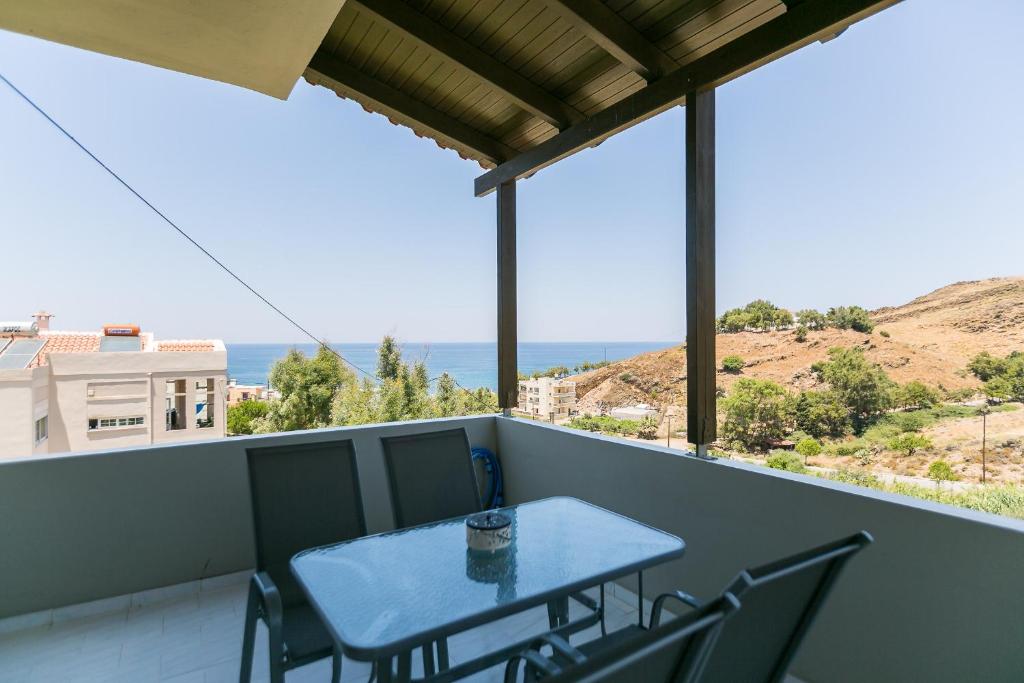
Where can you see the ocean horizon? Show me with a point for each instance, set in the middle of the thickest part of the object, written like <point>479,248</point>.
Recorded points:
<point>472,364</point>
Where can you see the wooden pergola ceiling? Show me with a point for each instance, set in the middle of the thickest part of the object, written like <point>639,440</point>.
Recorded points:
<point>519,84</point>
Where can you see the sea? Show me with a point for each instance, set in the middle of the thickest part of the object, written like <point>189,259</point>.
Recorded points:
<point>471,364</point>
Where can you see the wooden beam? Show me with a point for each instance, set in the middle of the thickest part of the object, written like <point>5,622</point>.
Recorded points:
<point>800,25</point>
<point>701,413</point>
<point>508,366</point>
<point>337,74</point>
<point>436,38</point>
<point>616,36</point>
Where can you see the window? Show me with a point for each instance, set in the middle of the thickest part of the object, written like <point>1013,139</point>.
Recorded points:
<point>115,422</point>
<point>42,428</point>
<point>176,404</point>
<point>205,402</point>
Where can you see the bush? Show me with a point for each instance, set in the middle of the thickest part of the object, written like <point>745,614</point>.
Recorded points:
<point>940,471</point>
<point>884,334</point>
<point>241,416</point>
<point>811,319</point>
<point>786,460</point>
<point>821,414</point>
<point>910,443</point>
<point>862,386</point>
<point>801,333</point>
<point>648,429</point>
<point>757,411</point>
<point>732,363</point>
<point>808,447</point>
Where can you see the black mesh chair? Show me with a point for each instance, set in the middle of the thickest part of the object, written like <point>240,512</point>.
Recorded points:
<point>780,601</point>
<point>431,476</point>
<point>303,496</point>
<point>675,652</point>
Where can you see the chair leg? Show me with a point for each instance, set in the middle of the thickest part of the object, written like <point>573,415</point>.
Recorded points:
<point>336,666</point>
<point>249,635</point>
<point>558,612</point>
<point>276,647</point>
<point>428,660</point>
<point>442,654</point>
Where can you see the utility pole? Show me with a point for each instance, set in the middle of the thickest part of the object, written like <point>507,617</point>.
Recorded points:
<point>984,434</point>
<point>669,445</point>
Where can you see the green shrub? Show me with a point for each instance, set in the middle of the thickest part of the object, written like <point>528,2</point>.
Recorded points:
<point>732,363</point>
<point>801,333</point>
<point>808,447</point>
<point>757,412</point>
<point>909,443</point>
<point>648,429</point>
<point>940,471</point>
<point>850,318</point>
<point>241,416</point>
<point>626,377</point>
<point>785,460</point>
<point>884,334</point>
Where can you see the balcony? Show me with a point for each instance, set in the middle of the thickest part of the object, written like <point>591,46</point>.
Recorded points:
<point>130,564</point>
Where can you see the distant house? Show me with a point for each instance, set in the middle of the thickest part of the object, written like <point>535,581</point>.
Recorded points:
<point>246,392</point>
<point>76,391</point>
<point>547,398</point>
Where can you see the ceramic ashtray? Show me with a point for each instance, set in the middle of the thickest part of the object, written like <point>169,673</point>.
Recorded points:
<point>488,531</point>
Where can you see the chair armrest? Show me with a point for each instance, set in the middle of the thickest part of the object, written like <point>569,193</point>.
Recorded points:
<point>539,662</point>
<point>269,596</point>
<point>659,604</point>
<point>559,645</point>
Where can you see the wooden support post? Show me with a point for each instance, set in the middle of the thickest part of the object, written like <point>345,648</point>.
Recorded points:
<point>701,415</point>
<point>508,367</point>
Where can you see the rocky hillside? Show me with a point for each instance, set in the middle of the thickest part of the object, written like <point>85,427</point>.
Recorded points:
<point>930,339</point>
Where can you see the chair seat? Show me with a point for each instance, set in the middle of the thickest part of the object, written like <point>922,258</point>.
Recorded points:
<point>304,634</point>
<point>614,638</point>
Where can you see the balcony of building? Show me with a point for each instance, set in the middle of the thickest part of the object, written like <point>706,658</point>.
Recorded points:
<point>131,564</point>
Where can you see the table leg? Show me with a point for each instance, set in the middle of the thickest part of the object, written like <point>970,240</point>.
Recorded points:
<point>640,598</point>
<point>558,612</point>
<point>442,654</point>
<point>404,668</point>
<point>384,670</point>
<point>428,660</point>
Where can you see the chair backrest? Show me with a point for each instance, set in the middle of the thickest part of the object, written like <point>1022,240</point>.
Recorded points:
<point>431,476</point>
<point>674,652</point>
<point>780,601</point>
<point>303,496</point>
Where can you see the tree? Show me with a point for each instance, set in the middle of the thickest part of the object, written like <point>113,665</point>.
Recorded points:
<point>808,448</point>
<point>307,387</point>
<point>757,411</point>
<point>785,460</point>
<point>242,416</point>
<point>733,320</point>
<point>997,389</point>
<point>448,399</point>
<point>355,404</point>
<point>851,318</point>
<point>985,366</point>
<point>812,319</point>
<point>915,394</point>
<point>909,443</point>
<point>862,386</point>
<point>801,333</point>
<point>821,414</point>
<point>732,363</point>
<point>389,359</point>
<point>940,471</point>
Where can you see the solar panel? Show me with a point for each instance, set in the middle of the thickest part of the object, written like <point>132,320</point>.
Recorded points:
<point>20,353</point>
<point>120,343</point>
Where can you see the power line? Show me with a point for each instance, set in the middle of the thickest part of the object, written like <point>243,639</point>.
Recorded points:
<point>181,232</point>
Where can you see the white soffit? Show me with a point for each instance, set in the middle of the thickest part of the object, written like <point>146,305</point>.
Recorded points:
<point>263,45</point>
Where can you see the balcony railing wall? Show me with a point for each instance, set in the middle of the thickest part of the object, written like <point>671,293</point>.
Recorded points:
<point>936,598</point>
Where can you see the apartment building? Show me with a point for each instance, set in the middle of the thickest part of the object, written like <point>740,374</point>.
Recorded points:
<point>547,398</point>
<point>66,391</point>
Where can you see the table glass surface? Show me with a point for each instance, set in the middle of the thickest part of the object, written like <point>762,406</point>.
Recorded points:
<point>396,589</point>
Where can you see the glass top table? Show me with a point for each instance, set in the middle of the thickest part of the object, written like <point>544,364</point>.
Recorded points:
<point>387,594</point>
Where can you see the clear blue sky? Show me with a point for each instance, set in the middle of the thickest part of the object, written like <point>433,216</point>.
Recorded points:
<point>868,170</point>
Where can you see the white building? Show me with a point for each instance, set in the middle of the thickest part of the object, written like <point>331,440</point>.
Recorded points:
<point>637,412</point>
<point>547,397</point>
<point>76,391</point>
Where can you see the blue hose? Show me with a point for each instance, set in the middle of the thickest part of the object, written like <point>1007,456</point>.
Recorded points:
<point>495,497</point>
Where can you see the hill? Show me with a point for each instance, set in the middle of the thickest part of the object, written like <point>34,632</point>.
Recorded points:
<point>931,339</point>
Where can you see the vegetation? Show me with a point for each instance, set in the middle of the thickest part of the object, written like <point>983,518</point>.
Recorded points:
<point>757,412</point>
<point>1003,377</point>
<point>821,414</point>
<point>812,319</point>
<point>648,429</point>
<point>320,391</point>
<point>801,333</point>
<point>606,424</point>
<point>557,372</point>
<point>915,394</point>
<point>808,448</point>
<point>940,471</point>
<point>242,416</point>
<point>586,365</point>
<point>732,363</point>
<point>909,443</point>
<point>884,333</point>
<point>759,315</point>
<point>850,318</point>
<point>786,460</point>
<point>860,385</point>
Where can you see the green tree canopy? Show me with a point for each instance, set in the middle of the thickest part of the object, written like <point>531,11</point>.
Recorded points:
<point>757,411</point>
<point>389,359</point>
<point>850,318</point>
<point>909,443</point>
<point>307,387</point>
<point>732,363</point>
<point>860,385</point>
<point>985,366</point>
<point>242,416</point>
<point>941,471</point>
<point>821,414</point>
<point>915,394</point>
<point>812,319</point>
<point>759,314</point>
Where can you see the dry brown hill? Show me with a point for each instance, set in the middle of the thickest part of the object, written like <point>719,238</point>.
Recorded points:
<point>931,340</point>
